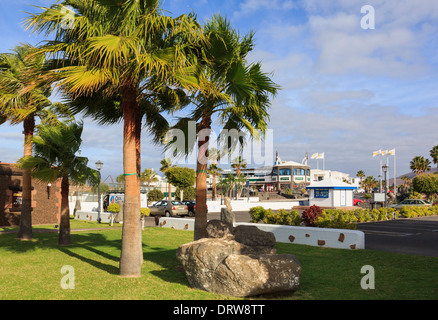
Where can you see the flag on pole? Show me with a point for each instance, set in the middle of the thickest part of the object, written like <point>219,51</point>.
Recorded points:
<point>377,153</point>
<point>391,152</point>
<point>314,156</point>
<point>320,156</point>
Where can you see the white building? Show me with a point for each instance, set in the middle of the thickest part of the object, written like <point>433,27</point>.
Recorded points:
<point>319,175</point>
<point>331,193</point>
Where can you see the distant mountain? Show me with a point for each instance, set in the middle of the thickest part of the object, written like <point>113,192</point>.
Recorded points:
<point>410,175</point>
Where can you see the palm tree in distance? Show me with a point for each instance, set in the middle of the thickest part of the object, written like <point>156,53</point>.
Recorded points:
<point>215,171</point>
<point>115,51</point>
<point>238,163</point>
<point>232,91</point>
<point>149,176</point>
<point>24,93</point>
<point>419,165</point>
<point>166,164</point>
<point>55,158</point>
<point>361,175</point>
<point>434,155</point>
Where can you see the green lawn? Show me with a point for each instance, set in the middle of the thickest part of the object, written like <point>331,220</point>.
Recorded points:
<point>32,269</point>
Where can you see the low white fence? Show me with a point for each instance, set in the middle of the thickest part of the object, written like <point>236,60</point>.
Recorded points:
<point>322,237</point>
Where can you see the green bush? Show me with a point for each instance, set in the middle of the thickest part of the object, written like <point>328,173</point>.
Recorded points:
<point>144,212</point>
<point>283,217</point>
<point>339,219</point>
<point>257,214</point>
<point>113,207</point>
<point>155,195</point>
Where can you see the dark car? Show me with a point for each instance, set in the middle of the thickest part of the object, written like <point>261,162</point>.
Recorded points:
<point>191,206</point>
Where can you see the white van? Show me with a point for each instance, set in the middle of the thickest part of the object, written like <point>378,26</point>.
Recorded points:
<point>116,197</point>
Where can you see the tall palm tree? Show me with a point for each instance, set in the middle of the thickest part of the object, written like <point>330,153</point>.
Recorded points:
<point>369,182</point>
<point>420,165</point>
<point>361,175</point>
<point>24,94</point>
<point>238,163</point>
<point>118,49</point>
<point>233,91</point>
<point>434,155</point>
<point>166,164</point>
<point>55,158</point>
<point>215,171</point>
<point>149,176</point>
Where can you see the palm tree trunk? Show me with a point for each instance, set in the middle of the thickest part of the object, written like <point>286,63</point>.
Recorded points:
<point>214,187</point>
<point>64,226</point>
<point>130,261</point>
<point>201,184</point>
<point>138,159</point>
<point>25,230</point>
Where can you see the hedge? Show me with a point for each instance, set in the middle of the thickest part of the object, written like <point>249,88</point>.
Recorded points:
<point>338,218</point>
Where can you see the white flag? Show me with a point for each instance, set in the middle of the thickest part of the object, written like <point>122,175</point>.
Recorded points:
<point>391,152</point>
<point>320,156</point>
<point>377,153</point>
<point>314,156</point>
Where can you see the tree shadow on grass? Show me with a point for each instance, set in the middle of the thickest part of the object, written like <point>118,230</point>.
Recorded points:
<point>100,244</point>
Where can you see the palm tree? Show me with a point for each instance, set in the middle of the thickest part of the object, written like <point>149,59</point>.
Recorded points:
<point>361,175</point>
<point>166,164</point>
<point>238,163</point>
<point>434,155</point>
<point>419,165</point>
<point>24,95</point>
<point>215,171</point>
<point>116,51</point>
<point>369,183</point>
<point>233,91</point>
<point>55,158</point>
<point>149,176</point>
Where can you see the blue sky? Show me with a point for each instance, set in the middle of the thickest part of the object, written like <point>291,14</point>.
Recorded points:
<point>346,91</point>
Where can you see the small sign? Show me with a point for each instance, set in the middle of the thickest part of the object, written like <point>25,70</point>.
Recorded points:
<point>379,197</point>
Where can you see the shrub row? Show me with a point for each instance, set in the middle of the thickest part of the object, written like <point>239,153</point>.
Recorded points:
<point>336,218</point>
<point>282,216</point>
<point>115,208</point>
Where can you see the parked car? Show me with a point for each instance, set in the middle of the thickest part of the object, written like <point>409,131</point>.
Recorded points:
<point>411,202</point>
<point>168,209</point>
<point>191,206</point>
<point>356,201</point>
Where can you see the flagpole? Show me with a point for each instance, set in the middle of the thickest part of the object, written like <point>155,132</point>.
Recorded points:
<point>395,178</point>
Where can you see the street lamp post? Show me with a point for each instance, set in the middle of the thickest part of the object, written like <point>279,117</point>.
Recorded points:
<point>99,165</point>
<point>385,172</point>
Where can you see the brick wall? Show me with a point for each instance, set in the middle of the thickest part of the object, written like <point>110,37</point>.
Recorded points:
<point>45,205</point>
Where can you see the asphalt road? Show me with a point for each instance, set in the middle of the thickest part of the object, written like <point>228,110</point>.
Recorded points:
<point>410,236</point>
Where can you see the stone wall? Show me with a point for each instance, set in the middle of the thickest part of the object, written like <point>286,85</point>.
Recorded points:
<point>46,202</point>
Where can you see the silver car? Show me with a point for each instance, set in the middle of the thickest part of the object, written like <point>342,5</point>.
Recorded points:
<point>168,209</point>
<point>411,202</point>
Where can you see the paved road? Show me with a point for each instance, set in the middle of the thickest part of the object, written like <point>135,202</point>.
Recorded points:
<point>412,236</point>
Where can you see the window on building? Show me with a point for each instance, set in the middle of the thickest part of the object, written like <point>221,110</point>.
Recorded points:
<point>295,172</point>
<point>285,172</point>
<point>308,172</point>
<point>274,172</point>
<point>302,172</point>
<point>321,193</point>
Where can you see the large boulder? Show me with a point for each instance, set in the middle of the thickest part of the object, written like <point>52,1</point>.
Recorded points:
<point>238,261</point>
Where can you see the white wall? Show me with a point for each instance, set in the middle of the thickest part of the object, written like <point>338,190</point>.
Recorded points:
<point>319,237</point>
